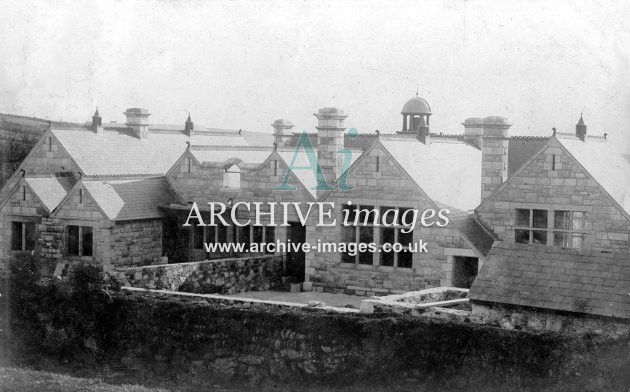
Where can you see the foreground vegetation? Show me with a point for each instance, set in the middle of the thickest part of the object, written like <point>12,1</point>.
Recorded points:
<point>26,380</point>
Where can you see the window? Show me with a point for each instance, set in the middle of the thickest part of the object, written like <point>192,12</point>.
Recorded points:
<point>188,163</point>
<point>364,231</point>
<point>397,241</point>
<point>79,240</point>
<point>198,236</point>
<point>275,167</point>
<point>567,229</point>
<point>251,234</point>
<point>270,236</point>
<point>50,144</point>
<point>23,192</point>
<point>527,220</point>
<point>245,233</point>
<point>378,163</point>
<point>232,177</point>
<point>80,196</point>
<point>22,236</point>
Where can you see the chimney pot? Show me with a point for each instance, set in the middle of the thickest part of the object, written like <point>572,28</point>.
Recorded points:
<point>281,132</point>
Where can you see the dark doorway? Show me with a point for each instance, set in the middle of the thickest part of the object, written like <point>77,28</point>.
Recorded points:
<point>175,241</point>
<point>296,233</point>
<point>464,271</point>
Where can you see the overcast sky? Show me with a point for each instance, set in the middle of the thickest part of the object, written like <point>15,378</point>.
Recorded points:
<point>245,64</point>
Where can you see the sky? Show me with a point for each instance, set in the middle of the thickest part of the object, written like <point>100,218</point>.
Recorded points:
<point>241,65</point>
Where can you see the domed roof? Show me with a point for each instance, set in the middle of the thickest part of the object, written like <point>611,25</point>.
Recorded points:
<point>416,105</point>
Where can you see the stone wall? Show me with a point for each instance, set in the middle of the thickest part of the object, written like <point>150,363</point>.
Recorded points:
<point>568,187</point>
<point>522,318</point>
<point>136,242</point>
<point>157,338</point>
<point>225,276</point>
<point>20,208</point>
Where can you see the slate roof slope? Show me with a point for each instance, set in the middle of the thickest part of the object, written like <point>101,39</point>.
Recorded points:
<point>521,149</point>
<point>131,199</point>
<point>122,153</point>
<point>449,172</point>
<point>469,227</point>
<point>607,166</point>
<point>250,156</point>
<point>50,190</point>
<point>554,278</point>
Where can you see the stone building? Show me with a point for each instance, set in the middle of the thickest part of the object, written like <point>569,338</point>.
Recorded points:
<point>119,194</point>
<point>574,192</point>
<point>563,223</point>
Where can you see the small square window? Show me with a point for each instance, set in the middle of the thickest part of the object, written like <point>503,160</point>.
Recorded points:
<point>405,239</point>
<point>387,236</point>
<point>539,237</point>
<point>540,219</point>
<point>521,236</point>
<point>387,259</point>
<point>522,217</point>
<point>405,259</point>
<point>562,220</point>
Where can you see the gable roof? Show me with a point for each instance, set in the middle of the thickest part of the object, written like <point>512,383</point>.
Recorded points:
<point>119,153</point>
<point>555,278</point>
<point>448,172</point>
<point>131,199</point>
<point>50,190</point>
<point>605,164</point>
<point>249,156</point>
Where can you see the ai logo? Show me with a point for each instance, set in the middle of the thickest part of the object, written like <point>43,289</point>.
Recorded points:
<point>304,146</point>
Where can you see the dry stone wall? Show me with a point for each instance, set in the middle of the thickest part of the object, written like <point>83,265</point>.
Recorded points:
<point>226,276</point>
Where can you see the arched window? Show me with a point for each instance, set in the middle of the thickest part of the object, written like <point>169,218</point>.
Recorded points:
<point>232,177</point>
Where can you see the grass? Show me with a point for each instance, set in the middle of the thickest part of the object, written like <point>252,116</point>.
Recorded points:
<point>26,380</point>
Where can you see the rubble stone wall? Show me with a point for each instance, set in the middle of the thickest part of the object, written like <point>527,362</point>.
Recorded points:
<point>225,276</point>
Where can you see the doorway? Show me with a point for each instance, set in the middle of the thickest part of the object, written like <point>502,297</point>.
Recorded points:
<point>296,233</point>
<point>464,271</point>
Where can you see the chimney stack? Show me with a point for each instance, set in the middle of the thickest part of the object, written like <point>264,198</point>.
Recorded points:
<point>330,140</point>
<point>282,132</point>
<point>189,126</point>
<point>494,153</point>
<point>580,129</point>
<point>473,130</point>
<point>97,123</point>
<point>138,120</point>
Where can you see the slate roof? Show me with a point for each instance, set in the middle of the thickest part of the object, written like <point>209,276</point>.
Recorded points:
<point>521,149</point>
<point>554,278</point>
<point>131,199</point>
<point>471,229</point>
<point>250,156</point>
<point>121,153</point>
<point>449,172</point>
<point>50,190</point>
<point>604,163</point>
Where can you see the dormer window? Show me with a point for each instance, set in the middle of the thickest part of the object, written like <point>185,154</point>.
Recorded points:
<point>232,177</point>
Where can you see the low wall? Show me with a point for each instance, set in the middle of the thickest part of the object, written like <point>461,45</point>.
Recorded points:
<point>157,338</point>
<point>435,302</point>
<point>224,276</point>
<point>515,317</point>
